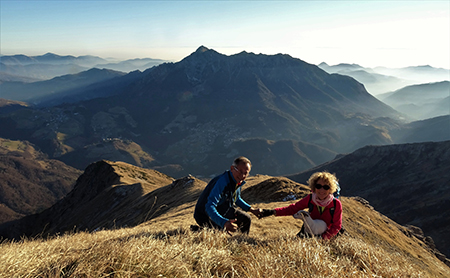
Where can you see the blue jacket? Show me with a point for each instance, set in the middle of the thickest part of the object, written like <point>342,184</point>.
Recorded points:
<point>218,197</point>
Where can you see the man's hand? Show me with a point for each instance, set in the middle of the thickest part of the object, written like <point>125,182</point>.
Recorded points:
<point>266,213</point>
<point>230,227</point>
<point>257,212</point>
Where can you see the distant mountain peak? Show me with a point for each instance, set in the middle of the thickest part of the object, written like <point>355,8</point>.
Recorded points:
<point>203,54</point>
<point>202,49</point>
<point>423,66</point>
<point>348,65</point>
<point>49,54</point>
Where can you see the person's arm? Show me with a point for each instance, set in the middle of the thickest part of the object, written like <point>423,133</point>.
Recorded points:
<point>213,200</point>
<point>292,208</point>
<point>240,202</point>
<point>337,222</point>
<point>245,206</point>
<point>283,211</point>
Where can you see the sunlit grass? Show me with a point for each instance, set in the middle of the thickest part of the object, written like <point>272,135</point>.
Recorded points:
<point>12,145</point>
<point>141,252</point>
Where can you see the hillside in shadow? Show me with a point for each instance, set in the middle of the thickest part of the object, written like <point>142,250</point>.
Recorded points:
<point>29,181</point>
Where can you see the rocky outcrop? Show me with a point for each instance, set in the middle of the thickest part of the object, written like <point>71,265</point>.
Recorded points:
<point>427,240</point>
<point>104,196</point>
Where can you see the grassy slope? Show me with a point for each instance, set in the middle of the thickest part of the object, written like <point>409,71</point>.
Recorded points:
<point>374,246</point>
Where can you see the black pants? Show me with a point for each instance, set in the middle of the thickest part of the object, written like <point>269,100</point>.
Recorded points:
<point>243,220</point>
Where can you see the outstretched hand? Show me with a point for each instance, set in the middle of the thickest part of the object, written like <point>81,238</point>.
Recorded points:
<point>230,227</point>
<point>266,213</point>
<point>257,212</point>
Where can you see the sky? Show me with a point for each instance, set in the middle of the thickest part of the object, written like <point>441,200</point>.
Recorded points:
<point>370,33</point>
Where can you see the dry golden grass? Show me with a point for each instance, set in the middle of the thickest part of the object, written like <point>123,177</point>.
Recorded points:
<point>143,252</point>
<point>373,246</point>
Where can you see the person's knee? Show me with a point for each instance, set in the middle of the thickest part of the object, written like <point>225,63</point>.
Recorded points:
<point>245,217</point>
<point>244,220</point>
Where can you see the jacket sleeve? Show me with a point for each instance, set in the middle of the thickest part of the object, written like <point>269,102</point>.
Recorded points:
<point>240,202</point>
<point>292,208</point>
<point>213,200</point>
<point>337,222</point>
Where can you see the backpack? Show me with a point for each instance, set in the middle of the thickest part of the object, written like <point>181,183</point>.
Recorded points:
<point>338,191</point>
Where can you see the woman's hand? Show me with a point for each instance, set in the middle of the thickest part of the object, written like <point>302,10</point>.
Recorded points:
<point>266,213</point>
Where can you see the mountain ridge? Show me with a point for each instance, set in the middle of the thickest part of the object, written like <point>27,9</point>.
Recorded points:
<point>103,187</point>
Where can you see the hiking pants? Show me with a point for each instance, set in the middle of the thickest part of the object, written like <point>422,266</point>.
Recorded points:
<point>243,220</point>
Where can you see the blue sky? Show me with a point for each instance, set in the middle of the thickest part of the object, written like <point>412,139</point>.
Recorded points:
<point>370,33</point>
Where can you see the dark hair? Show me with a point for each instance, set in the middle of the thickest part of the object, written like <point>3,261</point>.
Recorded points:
<point>241,159</point>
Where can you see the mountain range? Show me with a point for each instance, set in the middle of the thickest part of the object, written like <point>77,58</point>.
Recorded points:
<point>192,115</point>
<point>23,68</point>
<point>422,101</point>
<point>141,137</point>
<point>382,80</point>
<point>61,86</point>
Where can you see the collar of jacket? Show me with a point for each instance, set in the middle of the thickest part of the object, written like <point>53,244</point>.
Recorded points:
<point>232,179</point>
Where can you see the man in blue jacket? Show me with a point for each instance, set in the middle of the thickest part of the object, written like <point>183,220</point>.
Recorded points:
<point>216,206</point>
